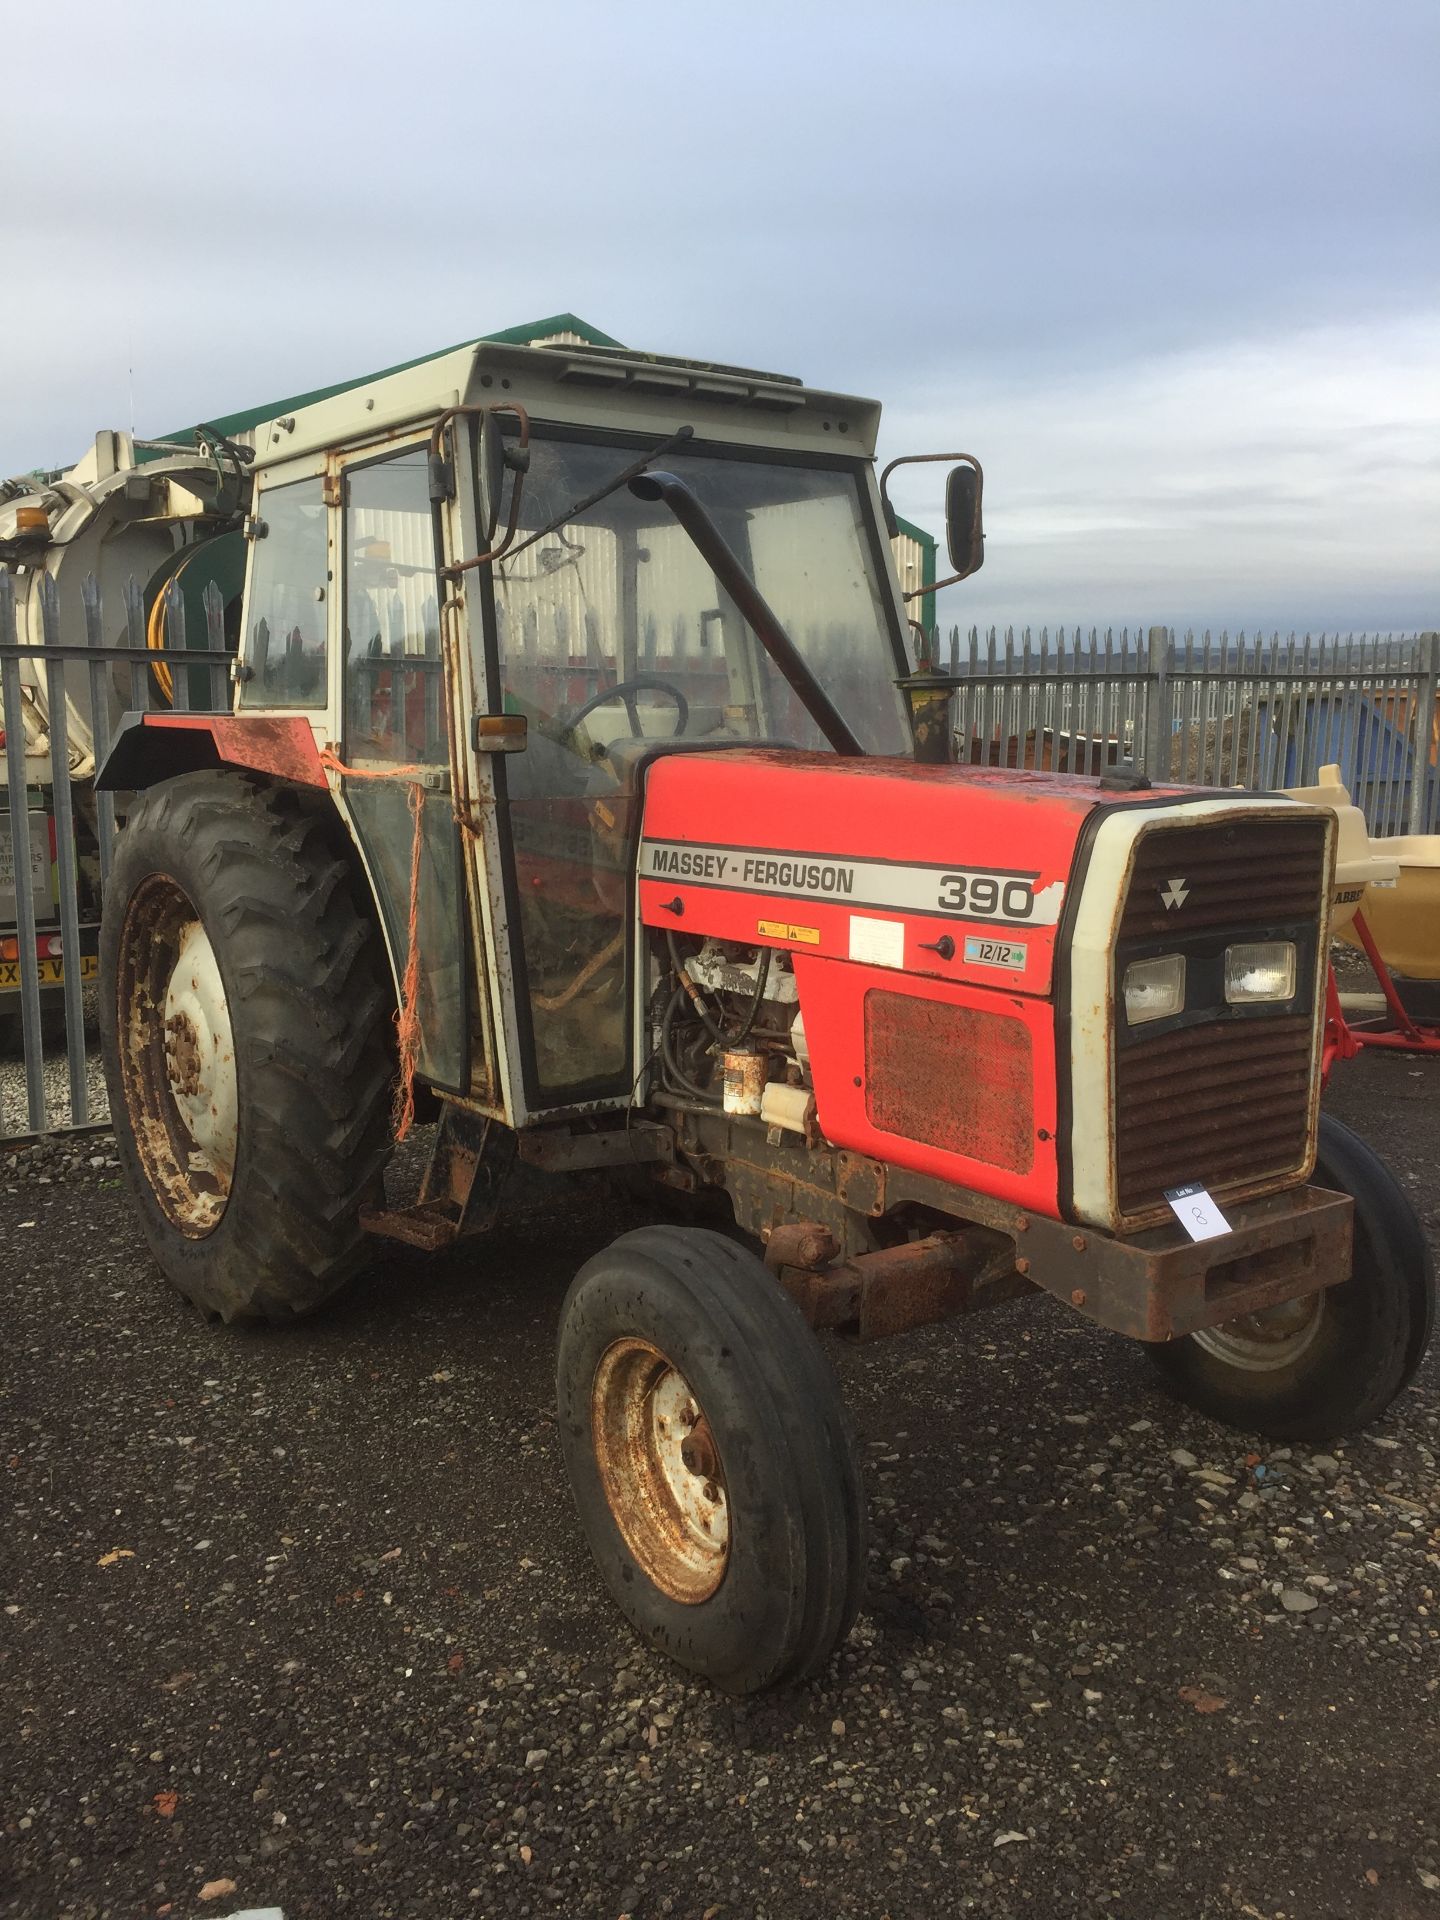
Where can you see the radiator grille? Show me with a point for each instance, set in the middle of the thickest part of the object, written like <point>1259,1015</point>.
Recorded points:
<point>1222,1104</point>
<point>1228,1102</point>
<point>1258,873</point>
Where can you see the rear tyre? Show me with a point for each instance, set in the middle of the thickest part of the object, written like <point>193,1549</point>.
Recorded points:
<point>710,1458</point>
<point>245,1016</point>
<point>1318,1368</point>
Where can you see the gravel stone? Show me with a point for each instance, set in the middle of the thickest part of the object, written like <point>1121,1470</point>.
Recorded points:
<point>256,1712</point>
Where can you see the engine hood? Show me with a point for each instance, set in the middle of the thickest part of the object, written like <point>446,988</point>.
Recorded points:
<point>960,873</point>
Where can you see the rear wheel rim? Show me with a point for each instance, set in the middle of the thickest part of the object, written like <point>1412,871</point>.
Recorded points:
<point>177,1056</point>
<point>660,1470</point>
<point>1266,1341</point>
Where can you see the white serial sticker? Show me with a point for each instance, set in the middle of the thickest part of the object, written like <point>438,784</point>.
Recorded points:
<point>1005,896</point>
<point>995,953</point>
<point>879,943</point>
<point>1197,1212</point>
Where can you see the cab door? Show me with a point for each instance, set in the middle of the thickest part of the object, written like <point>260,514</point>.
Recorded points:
<point>396,717</point>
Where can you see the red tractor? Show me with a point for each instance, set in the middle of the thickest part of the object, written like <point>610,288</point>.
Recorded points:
<point>577,788</point>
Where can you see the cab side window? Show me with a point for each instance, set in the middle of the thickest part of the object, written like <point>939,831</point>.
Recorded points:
<point>287,611</point>
<point>394,684</point>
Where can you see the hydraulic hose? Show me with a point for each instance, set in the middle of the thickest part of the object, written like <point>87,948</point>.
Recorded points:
<point>671,1064</point>
<point>692,993</point>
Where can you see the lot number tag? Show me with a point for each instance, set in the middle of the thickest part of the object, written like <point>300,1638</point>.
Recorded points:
<point>1197,1212</point>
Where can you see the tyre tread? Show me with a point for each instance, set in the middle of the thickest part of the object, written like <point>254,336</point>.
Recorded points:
<point>317,1062</point>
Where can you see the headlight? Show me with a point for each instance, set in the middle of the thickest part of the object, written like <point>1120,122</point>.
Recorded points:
<point>1263,970</point>
<point>1154,989</point>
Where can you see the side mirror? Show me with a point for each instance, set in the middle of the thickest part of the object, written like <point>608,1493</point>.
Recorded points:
<point>965,535</point>
<point>964,529</point>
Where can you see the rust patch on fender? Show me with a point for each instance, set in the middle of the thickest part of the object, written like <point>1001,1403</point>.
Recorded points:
<point>279,744</point>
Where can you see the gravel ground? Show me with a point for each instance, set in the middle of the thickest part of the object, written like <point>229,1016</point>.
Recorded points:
<point>14,1101</point>
<point>310,1614</point>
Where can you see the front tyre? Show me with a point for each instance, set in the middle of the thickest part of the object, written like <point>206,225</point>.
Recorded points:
<point>1324,1366</point>
<point>245,1018</point>
<point>710,1458</point>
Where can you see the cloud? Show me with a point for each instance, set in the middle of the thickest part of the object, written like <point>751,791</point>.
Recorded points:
<point>1086,238</point>
<point>1292,478</point>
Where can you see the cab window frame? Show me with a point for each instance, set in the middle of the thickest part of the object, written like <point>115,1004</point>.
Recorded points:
<point>253,691</point>
<point>618,1088</point>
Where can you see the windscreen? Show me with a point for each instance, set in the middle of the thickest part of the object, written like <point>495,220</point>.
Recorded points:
<point>621,591</point>
<point>614,633</point>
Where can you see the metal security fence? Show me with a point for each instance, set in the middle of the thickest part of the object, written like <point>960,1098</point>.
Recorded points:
<point>63,695</point>
<point>1245,711</point>
<point>1251,712</point>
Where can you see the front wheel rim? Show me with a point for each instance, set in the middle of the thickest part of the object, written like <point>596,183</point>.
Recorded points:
<point>177,1056</point>
<point>1266,1341</point>
<point>660,1470</point>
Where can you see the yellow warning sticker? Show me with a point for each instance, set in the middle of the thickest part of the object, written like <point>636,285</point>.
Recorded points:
<point>783,930</point>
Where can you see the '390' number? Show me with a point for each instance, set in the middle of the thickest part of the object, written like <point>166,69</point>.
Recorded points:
<point>983,895</point>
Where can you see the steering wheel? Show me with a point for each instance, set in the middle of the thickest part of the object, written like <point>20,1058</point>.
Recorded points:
<point>626,690</point>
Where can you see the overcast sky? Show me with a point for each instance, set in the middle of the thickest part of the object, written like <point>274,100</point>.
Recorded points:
<point>1170,270</point>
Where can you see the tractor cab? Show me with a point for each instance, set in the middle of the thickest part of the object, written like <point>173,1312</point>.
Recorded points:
<point>524,698</point>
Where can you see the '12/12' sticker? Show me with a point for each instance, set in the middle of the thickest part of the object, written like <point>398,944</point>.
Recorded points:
<point>995,953</point>
<point>1197,1212</point>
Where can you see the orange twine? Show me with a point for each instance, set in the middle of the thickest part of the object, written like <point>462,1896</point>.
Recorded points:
<point>407,1018</point>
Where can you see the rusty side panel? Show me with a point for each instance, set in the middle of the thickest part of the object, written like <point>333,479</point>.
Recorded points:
<point>271,744</point>
<point>278,744</point>
<point>957,1078</point>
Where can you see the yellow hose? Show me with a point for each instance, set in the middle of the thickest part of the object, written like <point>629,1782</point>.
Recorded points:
<point>155,640</point>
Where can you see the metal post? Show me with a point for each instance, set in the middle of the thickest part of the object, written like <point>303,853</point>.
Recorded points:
<point>19,800</point>
<point>1428,684</point>
<point>57,720</point>
<point>214,604</point>
<point>175,645</point>
<point>99,714</point>
<point>135,638</point>
<point>1156,738</point>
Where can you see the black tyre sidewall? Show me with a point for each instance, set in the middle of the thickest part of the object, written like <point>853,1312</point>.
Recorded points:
<point>1374,1329</point>
<point>792,1583</point>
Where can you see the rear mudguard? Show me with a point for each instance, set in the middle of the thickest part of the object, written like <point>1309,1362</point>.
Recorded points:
<point>149,747</point>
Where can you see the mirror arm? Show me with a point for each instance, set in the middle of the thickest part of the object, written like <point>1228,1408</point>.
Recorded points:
<point>521,465</point>
<point>914,593</point>
<point>917,460</point>
<point>443,465</point>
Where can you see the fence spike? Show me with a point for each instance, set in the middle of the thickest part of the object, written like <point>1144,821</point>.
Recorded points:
<point>134,613</point>
<point>213,601</point>
<point>49,610</point>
